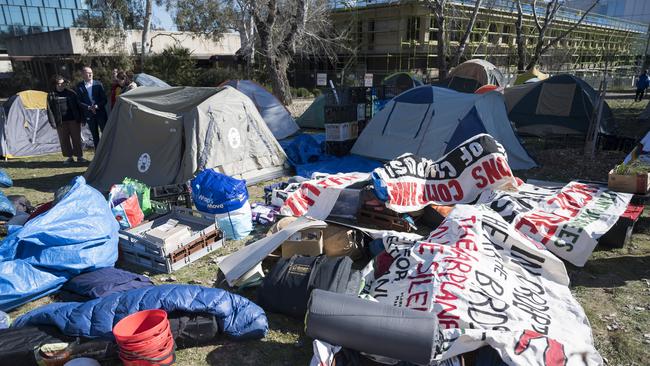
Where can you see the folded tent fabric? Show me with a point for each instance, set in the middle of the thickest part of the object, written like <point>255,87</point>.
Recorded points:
<point>105,281</point>
<point>237,316</point>
<point>77,234</point>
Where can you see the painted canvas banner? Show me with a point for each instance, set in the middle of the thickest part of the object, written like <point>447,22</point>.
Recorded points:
<point>484,291</point>
<point>567,220</point>
<point>410,182</point>
<point>316,198</point>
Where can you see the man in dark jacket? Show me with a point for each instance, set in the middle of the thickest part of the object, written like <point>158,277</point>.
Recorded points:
<point>92,102</point>
<point>63,114</point>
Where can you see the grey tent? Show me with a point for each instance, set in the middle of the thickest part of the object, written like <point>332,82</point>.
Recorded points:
<point>275,114</point>
<point>473,74</point>
<point>150,80</point>
<point>25,129</point>
<point>431,121</point>
<point>560,105</point>
<point>165,135</point>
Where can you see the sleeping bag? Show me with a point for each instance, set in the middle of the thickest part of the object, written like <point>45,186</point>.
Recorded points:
<point>236,316</point>
<point>77,234</point>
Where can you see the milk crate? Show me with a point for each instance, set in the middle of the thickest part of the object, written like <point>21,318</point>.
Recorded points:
<point>173,194</point>
<point>136,247</point>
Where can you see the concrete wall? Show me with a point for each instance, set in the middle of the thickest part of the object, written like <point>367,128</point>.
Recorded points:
<point>71,42</point>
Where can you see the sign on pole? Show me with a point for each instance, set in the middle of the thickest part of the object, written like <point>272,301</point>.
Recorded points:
<point>367,80</point>
<point>321,79</point>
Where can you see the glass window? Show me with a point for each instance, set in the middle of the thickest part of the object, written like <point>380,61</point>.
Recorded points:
<point>3,2</point>
<point>413,29</point>
<point>69,4</point>
<point>17,2</point>
<point>81,4</point>
<point>52,3</point>
<point>32,17</point>
<point>35,2</point>
<point>65,17</point>
<point>15,15</point>
<point>48,16</point>
<point>2,16</point>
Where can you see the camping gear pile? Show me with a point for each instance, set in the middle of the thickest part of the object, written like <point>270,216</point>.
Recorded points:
<point>437,255</point>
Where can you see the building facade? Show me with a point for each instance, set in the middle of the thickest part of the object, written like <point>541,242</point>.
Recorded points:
<point>401,36</point>
<point>20,17</point>
<point>634,10</point>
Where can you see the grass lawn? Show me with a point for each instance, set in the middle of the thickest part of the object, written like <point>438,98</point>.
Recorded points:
<point>613,288</point>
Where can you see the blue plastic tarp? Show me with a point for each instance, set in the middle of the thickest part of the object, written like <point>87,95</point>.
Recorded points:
<point>78,234</point>
<point>306,153</point>
<point>237,316</point>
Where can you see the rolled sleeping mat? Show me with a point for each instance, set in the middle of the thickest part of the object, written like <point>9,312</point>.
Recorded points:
<point>370,327</point>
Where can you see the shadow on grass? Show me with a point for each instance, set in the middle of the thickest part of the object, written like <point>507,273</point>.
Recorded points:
<point>46,184</point>
<point>22,164</point>
<point>611,272</point>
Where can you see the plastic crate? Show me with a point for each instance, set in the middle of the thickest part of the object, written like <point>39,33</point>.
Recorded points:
<point>173,194</point>
<point>205,237</point>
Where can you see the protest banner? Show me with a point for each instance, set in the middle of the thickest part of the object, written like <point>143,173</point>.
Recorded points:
<point>482,294</point>
<point>316,198</point>
<point>567,220</point>
<point>410,182</point>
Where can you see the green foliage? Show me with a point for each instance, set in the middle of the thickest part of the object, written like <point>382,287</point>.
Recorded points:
<point>22,79</point>
<point>173,65</point>
<point>317,92</point>
<point>214,77</point>
<point>103,67</point>
<point>634,167</point>
<point>301,93</point>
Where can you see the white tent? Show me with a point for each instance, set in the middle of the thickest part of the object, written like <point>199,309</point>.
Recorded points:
<point>25,129</point>
<point>430,121</point>
<point>165,135</point>
<point>276,116</point>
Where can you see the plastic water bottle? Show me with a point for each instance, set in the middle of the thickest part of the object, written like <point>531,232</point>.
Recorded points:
<point>5,320</point>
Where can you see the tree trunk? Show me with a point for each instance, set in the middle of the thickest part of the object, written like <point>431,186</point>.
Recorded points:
<point>277,68</point>
<point>145,31</point>
<point>520,40</point>
<point>442,57</point>
<point>468,31</point>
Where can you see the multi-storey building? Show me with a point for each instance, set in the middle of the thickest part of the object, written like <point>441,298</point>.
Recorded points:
<point>401,35</point>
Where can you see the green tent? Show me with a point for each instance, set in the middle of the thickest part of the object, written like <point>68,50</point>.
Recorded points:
<point>314,116</point>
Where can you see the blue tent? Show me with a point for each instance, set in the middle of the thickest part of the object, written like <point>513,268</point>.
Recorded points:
<point>429,121</point>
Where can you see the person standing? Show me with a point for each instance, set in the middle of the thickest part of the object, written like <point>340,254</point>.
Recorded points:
<point>125,81</point>
<point>92,102</point>
<point>641,85</point>
<point>63,115</point>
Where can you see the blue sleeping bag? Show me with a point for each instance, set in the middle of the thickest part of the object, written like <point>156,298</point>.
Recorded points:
<point>237,316</point>
<point>5,179</point>
<point>78,234</point>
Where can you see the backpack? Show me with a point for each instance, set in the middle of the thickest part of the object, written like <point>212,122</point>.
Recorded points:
<point>286,289</point>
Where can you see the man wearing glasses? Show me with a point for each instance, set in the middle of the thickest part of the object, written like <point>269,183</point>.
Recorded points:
<point>92,101</point>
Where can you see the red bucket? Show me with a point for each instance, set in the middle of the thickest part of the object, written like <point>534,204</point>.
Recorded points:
<point>145,339</point>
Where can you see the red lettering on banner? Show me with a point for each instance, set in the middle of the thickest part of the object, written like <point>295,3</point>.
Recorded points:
<point>544,224</point>
<point>424,272</point>
<point>416,296</point>
<point>311,188</point>
<point>502,166</point>
<point>439,232</point>
<point>445,195</point>
<point>454,185</point>
<point>490,167</point>
<point>476,174</point>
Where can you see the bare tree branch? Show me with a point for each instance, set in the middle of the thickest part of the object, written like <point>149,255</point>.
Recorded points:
<point>468,31</point>
<point>571,29</point>
<point>539,26</point>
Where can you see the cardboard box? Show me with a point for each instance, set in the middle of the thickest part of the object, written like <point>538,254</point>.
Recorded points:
<point>306,242</point>
<point>639,184</point>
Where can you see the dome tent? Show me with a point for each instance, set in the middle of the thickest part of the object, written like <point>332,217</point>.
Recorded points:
<point>163,136</point>
<point>560,105</point>
<point>275,114</point>
<point>25,129</point>
<point>430,121</point>
<point>473,74</point>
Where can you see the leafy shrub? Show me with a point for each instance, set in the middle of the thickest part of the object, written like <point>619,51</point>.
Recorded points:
<point>301,93</point>
<point>173,65</point>
<point>214,77</point>
<point>317,92</point>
